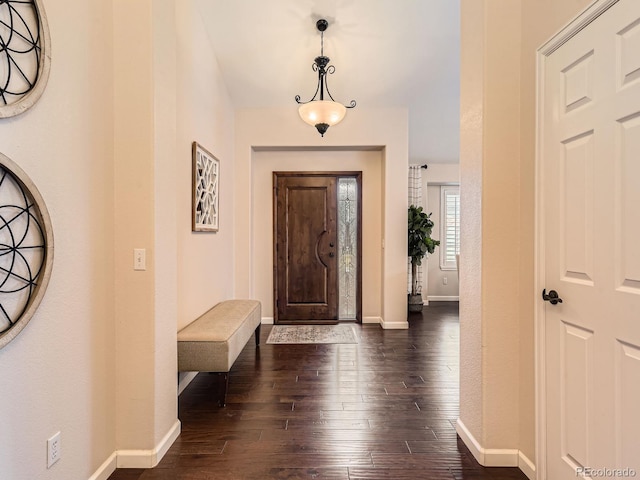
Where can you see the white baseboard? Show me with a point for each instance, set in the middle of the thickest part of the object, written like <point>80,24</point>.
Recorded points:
<point>436,298</point>
<point>527,466</point>
<point>501,457</point>
<point>186,379</point>
<point>394,325</point>
<point>386,325</point>
<point>106,469</point>
<point>377,320</point>
<point>267,321</point>
<point>148,458</point>
<point>487,457</point>
<point>493,457</point>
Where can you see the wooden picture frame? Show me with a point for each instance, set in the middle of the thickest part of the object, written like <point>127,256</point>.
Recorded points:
<point>206,190</point>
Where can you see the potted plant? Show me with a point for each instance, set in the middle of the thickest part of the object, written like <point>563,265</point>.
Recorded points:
<point>420,243</point>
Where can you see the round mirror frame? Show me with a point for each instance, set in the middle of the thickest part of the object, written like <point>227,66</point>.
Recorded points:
<point>28,99</point>
<point>39,207</point>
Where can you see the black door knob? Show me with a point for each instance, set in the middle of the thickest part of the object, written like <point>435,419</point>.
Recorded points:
<point>552,297</point>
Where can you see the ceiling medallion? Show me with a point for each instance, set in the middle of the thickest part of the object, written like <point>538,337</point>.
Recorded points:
<point>322,113</point>
<point>26,249</point>
<point>24,55</point>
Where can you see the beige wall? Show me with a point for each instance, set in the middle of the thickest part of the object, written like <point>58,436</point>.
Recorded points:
<point>500,224</point>
<point>497,155</point>
<point>441,173</point>
<point>472,84</point>
<point>165,262</point>
<point>276,129</point>
<point>370,164</point>
<point>204,114</point>
<point>134,184</point>
<point>109,147</point>
<point>187,273</point>
<point>145,301</point>
<point>58,374</point>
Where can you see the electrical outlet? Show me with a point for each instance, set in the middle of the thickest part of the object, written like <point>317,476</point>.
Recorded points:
<point>445,281</point>
<point>53,450</point>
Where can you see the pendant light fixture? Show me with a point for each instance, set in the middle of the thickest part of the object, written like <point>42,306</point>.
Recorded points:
<point>319,112</point>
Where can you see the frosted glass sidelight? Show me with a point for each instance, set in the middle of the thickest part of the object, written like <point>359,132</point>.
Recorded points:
<point>347,248</point>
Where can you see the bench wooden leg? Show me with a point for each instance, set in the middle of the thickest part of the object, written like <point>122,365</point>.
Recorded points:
<point>258,335</point>
<point>222,400</point>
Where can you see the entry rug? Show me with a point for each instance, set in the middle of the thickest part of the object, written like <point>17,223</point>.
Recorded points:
<point>312,334</point>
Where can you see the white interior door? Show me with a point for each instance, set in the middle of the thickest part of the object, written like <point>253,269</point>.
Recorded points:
<point>590,162</point>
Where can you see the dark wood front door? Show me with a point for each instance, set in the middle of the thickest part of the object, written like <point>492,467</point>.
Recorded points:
<point>305,244</point>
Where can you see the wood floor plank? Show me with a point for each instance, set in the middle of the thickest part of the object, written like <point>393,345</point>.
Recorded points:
<point>382,409</point>
<point>397,474</point>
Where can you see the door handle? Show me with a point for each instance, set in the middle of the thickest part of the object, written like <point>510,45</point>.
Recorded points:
<point>331,254</point>
<point>552,297</point>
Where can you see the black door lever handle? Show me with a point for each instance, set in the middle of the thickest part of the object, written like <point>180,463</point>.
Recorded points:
<point>552,297</point>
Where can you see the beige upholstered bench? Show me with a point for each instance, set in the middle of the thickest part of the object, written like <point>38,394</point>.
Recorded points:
<point>213,341</point>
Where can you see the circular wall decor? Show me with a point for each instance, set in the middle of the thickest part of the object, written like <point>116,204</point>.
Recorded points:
<point>26,249</point>
<point>25,58</point>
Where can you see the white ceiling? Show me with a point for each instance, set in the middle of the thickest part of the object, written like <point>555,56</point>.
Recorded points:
<point>387,53</point>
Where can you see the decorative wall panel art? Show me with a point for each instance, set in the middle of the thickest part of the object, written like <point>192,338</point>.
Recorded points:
<point>206,190</point>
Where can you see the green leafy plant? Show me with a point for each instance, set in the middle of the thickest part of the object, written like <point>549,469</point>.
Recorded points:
<point>420,241</point>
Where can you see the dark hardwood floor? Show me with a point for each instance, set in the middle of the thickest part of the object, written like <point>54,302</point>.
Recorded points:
<point>382,409</point>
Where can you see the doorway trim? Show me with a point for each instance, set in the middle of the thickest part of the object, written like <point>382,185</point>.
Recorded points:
<point>357,175</point>
<point>383,130</point>
<point>588,16</point>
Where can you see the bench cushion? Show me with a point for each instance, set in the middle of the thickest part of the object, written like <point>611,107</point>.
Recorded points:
<point>213,341</point>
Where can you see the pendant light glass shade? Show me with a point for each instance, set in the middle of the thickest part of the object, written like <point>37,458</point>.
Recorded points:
<point>322,112</point>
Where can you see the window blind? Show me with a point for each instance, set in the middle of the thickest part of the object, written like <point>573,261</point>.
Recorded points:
<point>449,226</point>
